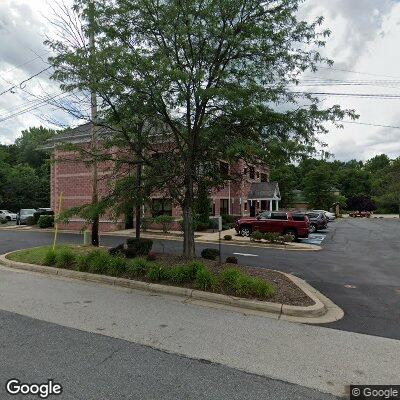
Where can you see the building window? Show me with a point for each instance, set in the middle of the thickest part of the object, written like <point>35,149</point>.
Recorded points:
<point>245,206</point>
<point>161,207</point>
<point>223,206</point>
<point>252,173</point>
<point>264,177</point>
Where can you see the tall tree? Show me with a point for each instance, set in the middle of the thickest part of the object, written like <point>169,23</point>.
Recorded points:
<point>318,187</point>
<point>213,82</point>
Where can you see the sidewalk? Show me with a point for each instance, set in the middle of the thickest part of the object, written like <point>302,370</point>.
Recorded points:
<point>312,356</point>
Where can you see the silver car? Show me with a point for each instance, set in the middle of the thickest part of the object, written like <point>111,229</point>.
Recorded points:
<point>24,214</point>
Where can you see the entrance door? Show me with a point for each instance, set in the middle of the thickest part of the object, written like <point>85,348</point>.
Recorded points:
<point>252,205</point>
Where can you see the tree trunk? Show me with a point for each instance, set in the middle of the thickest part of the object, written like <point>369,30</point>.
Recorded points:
<point>138,216</point>
<point>188,232</point>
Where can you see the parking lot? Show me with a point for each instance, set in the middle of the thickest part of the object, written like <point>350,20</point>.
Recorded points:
<point>315,238</point>
<point>358,267</point>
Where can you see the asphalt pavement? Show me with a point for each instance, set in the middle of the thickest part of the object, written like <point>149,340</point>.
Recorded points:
<point>358,267</point>
<point>95,367</point>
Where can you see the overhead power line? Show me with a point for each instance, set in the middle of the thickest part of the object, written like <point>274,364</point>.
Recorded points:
<point>357,72</point>
<point>370,124</point>
<point>364,95</point>
<point>24,81</point>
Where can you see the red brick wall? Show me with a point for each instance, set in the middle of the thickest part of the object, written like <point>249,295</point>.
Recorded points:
<point>74,180</point>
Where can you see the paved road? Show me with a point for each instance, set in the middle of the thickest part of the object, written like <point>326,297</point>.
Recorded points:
<point>358,268</point>
<point>94,367</point>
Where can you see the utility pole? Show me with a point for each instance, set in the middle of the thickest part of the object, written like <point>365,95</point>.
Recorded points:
<point>93,112</point>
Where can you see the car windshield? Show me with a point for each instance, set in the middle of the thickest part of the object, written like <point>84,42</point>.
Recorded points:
<point>313,215</point>
<point>28,211</point>
<point>265,215</point>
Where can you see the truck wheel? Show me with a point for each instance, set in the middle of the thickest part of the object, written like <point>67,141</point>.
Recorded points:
<point>292,232</point>
<point>245,231</point>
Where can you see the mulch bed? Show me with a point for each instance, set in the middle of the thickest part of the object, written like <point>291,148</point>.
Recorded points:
<point>287,292</point>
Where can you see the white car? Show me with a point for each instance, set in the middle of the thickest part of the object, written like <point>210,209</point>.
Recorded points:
<point>7,215</point>
<point>329,215</point>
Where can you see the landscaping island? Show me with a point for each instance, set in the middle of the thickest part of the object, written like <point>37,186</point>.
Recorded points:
<point>201,274</point>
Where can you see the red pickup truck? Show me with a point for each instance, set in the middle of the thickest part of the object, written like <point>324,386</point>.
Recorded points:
<point>295,224</point>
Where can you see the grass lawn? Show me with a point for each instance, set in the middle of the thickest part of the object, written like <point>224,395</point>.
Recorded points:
<point>37,255</point>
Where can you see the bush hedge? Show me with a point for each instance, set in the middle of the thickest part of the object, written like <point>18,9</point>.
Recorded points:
<point>240,284</point>
<point>231,280</point>
<point>228,237</point>
<point>165,221</point>
<point>135,247</point>
<point>271,237</point>
<point>45,221</point>
<point>210,254</point>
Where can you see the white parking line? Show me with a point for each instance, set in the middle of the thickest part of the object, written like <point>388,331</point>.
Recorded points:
<point>246,255</point>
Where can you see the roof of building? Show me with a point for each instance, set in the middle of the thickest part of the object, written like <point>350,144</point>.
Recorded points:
<point>79,134</point>
<point>83,134</point>
<point>264,190</point>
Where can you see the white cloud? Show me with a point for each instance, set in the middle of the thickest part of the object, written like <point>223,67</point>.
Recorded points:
<point>365,36</point>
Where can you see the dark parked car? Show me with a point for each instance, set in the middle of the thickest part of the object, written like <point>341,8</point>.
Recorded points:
<point>318,221</point>
<point>295,224</point>
<point>24,214</point>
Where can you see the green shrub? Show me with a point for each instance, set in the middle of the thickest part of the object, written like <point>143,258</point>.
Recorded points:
<point>165,221</point>
<point>256,236</point>
<point>262,288</point>
<point>98,261</point>
<point>82,262</point>
<point>50,257</point>
<point>288,238</point>
<point>30,221</point>
<point>228,237</point>
<point>243,285</point>
<point>272,237</point>
<point>145,223</point>
<point>228,219</point>
<point>205,279</point>
<point>38,214</point>
<point>193,267</point>
<point>201,226</point>
<point>135,247</point>
<point>65,258</point>
<point>46,221</point>
<point>156,273</point>
<point>178,275</point>
<point>231,260</point>
<point>240,284</point>
<point>210,254</point>
<point>3,221</point>
<point>228,278</point>
<point>138,267</point>
<point>116,266</point>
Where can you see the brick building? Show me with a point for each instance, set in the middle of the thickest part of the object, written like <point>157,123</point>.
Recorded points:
<point>73,179</point>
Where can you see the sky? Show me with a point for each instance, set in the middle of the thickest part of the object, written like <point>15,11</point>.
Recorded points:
<point>364,45</point>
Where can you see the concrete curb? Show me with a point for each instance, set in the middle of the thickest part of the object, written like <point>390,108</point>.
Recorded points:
<point>317,313</point>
